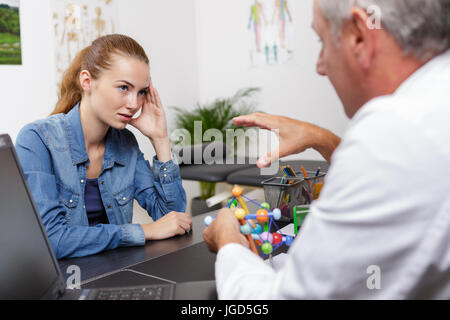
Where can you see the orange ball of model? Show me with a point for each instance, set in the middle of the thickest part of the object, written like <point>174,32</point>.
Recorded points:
<point>262,215</point>
<point>236,191</point>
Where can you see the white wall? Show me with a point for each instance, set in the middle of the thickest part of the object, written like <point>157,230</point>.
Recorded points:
<point>293,89</point>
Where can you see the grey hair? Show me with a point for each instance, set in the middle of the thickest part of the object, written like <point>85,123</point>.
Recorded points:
<point>420,27</point>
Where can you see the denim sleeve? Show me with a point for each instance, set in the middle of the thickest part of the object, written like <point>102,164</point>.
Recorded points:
<point>67,241</point>
<point>160,190</point>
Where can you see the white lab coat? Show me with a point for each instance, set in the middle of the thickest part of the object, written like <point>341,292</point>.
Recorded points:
<point>381,229</point>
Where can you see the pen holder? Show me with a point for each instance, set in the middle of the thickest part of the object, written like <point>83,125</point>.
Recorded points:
<point>286,192</point>
<point>312,186</point>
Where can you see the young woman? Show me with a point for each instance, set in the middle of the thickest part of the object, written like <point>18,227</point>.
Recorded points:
<point>84,168</point>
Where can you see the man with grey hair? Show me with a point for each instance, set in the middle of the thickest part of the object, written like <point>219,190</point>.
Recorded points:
<point>381,227</point>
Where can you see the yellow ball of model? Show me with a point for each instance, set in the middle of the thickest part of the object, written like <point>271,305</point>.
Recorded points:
<point>240,214</point>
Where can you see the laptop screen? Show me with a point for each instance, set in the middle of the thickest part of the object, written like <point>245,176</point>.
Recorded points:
<point>27,267</point>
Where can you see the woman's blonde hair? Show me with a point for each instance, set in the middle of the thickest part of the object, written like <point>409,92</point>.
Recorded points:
<point>94,58</point>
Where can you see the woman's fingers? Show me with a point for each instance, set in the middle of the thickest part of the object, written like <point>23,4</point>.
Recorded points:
<point>186,226</point>
<point>151,95</point>
<point>183,228</point>
<point>154,95</point>
<point>183,221</point>
<point>157,99</point>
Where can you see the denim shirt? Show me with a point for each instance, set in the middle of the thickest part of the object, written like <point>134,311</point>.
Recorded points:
<point>54,159</point>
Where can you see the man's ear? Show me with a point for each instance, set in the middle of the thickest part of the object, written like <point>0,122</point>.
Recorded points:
<point>85,81</point>
<point>360,38</point>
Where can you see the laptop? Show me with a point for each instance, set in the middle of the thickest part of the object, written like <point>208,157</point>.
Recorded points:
<point>28,266</point>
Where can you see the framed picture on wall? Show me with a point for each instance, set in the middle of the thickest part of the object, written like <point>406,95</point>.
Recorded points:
<point>10,47</point>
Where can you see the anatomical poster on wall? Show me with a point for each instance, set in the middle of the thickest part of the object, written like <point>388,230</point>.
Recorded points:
<point>76,23</point>
<point>270,28</point>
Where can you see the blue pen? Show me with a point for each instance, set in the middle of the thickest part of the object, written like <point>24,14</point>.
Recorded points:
<point>318,171</point>
<point>317,174</point>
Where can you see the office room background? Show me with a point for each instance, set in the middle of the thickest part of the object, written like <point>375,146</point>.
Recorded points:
<point>198,50</point>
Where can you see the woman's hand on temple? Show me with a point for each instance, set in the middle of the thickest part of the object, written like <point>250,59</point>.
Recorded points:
<point>153,124</point>
<point>152,120</point>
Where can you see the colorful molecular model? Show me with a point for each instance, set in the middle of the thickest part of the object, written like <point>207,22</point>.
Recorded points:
<point>256,227</point>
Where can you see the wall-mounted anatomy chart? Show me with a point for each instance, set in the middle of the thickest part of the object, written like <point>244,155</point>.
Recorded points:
<point>271,28</point>
<point>76,23</point>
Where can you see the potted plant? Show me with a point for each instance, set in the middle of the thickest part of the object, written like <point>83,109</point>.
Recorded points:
<point>215,115</point>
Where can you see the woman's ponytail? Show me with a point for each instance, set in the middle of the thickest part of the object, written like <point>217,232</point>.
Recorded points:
<point>70,91</point>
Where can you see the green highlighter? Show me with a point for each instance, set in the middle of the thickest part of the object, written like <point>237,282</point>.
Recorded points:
<point>300,213</point>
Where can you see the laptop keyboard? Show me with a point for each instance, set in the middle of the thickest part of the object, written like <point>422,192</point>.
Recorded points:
<point>153,292</point>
